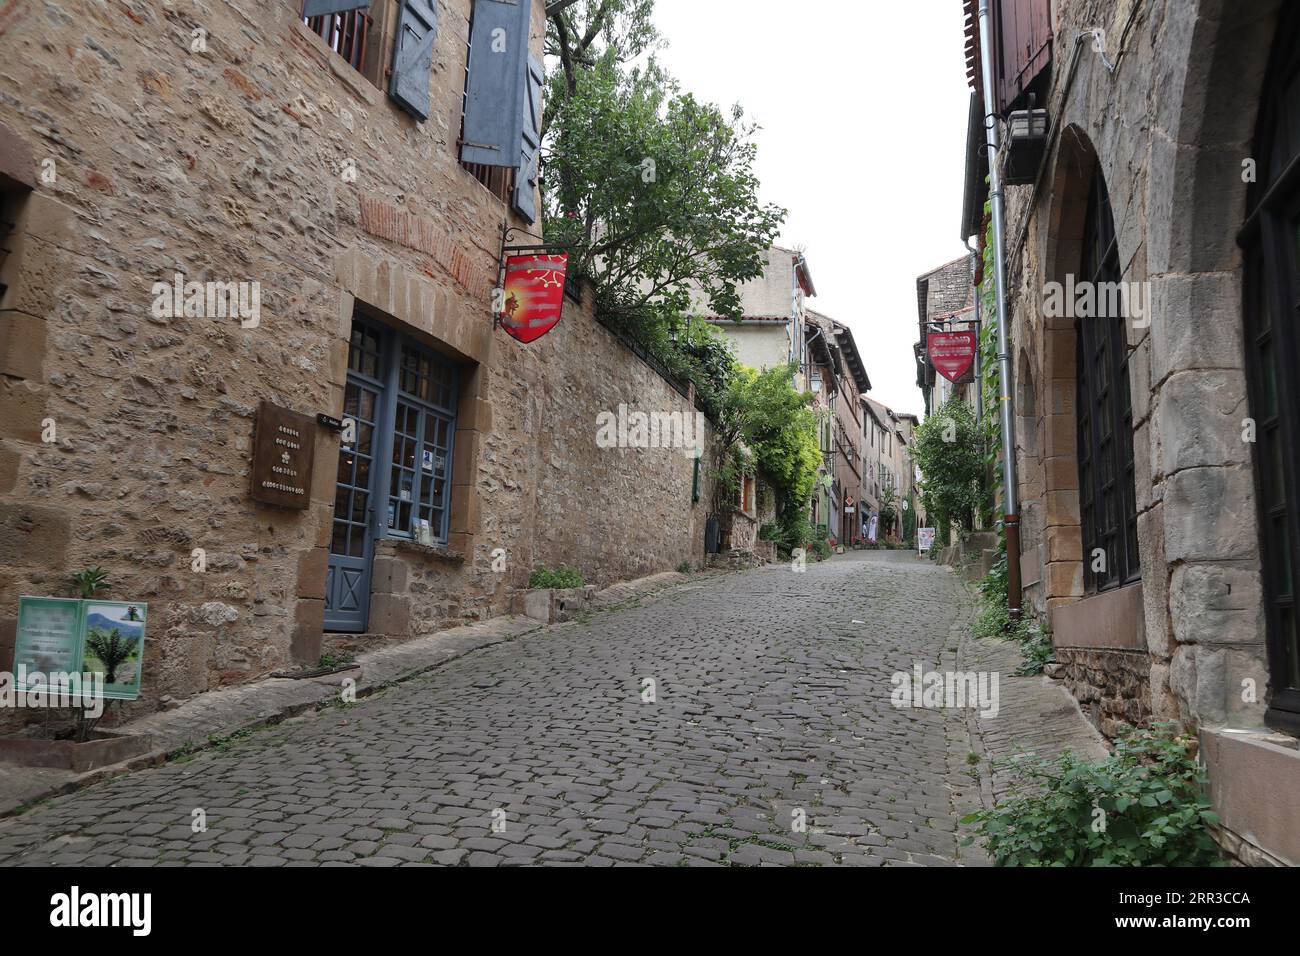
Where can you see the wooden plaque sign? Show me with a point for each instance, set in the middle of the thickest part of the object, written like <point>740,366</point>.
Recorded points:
<point>284,450</point>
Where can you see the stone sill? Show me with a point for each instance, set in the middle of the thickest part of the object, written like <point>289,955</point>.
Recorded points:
<point>357,83</point>
<point>1112,620</point>
<point>1255,789</point>
<point>434,552</point>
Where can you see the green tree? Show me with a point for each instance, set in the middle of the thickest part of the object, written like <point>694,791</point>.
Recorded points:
<point>948,452</point>
<point>652,192</point>
<point>888,504</point>
<point>762,412</point>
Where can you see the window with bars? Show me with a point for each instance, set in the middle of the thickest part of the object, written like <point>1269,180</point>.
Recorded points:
<point>1107,489</point>
<point>1271,306</point>
<point>345,33</point>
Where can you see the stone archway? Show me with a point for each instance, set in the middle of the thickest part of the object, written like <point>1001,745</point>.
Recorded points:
<point>1075,163</point>
<point>1203,603</point>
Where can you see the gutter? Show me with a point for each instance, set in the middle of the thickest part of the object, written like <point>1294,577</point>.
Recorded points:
<point>1010,505</point>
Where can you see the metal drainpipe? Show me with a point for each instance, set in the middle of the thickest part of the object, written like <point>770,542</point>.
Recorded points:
<point>979,373</point>
<point>1011,509</point>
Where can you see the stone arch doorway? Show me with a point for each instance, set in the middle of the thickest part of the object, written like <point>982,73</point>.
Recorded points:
<point>1076,162</point>
<point>1091,579</point>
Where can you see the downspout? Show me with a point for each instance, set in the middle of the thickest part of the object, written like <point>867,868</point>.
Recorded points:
<point>979,377</point>
<point>1011,510</point>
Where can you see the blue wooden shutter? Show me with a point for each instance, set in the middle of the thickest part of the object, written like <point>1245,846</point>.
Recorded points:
<point>417,28</point>
<point>494,89</point>
<point>531,142</point>
<point>317,8</point>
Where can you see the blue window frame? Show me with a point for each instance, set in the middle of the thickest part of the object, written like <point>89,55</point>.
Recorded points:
<point>416,431</point>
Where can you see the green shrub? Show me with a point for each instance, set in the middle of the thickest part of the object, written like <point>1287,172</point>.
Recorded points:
<point>1143,805</point>
<point>685,567</point>
<point>562,577</point>
<point>993,619</point>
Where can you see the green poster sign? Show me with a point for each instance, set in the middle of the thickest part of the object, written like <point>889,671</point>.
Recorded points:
<point>67,636</point>
<point>48,641</point>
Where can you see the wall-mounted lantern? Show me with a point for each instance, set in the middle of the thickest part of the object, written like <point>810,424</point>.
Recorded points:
<point>1026,145</point>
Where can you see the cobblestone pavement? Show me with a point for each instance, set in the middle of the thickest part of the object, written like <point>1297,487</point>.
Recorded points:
<point>771,706</point>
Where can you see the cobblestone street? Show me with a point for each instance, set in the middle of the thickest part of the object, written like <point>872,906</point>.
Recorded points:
<point>772,705</point>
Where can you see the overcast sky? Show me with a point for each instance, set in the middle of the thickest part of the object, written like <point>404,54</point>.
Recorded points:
<point>863,108</point>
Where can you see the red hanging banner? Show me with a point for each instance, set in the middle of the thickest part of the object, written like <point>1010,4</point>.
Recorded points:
<point>951,353</point>
<point>534,295</point>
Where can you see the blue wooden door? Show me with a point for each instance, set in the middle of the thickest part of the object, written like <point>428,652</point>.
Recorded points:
<point>347,588</point>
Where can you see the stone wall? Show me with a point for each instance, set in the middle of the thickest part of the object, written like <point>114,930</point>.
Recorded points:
<point>1110,685</point>
<point>229,164</point>
<point>617,512</point>
<point>1169,129</point>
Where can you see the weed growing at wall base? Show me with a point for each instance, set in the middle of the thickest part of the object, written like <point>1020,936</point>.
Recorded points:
<point>993,619</point>
<point>562,577</point>
<point>1143,805</point>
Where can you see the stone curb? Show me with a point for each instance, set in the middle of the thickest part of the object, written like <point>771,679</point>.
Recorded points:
<point>205,719</point>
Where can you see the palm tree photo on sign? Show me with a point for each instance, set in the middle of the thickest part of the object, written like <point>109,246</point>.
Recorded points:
<point>115,644</point>
<point>111,649</point>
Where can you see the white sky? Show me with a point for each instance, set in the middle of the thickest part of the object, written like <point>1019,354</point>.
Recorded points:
<point>863,107</point>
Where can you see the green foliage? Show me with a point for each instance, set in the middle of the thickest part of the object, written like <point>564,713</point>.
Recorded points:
<point>112,649</point>
<point>909,527</point>
<point>761,411</point>
<point>328,660</point>
<point>993,619</point>
<point>653,192</point>
<point>790,530</point>
<point>888,505</point>
<point>90,582</point>
<point>1144,805</point>
<point>990,430</point>
<point>562,577</point>
<point>946,448</point>
<point>781,431</point>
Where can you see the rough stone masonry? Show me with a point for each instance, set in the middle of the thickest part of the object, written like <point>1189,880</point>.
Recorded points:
<point>226,142</point>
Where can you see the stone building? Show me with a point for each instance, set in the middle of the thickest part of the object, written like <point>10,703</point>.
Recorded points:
<point>888,474</point>
<point>774,308</point>
<point>1151,248</point>
<point>842,378</point>
<point>337,184</point>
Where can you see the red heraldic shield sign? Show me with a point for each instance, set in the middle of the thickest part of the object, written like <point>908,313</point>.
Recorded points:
<point>951,353</point>
<point>534,295</point>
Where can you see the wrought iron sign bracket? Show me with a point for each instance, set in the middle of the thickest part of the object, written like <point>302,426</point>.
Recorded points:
<point>542,249</point>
